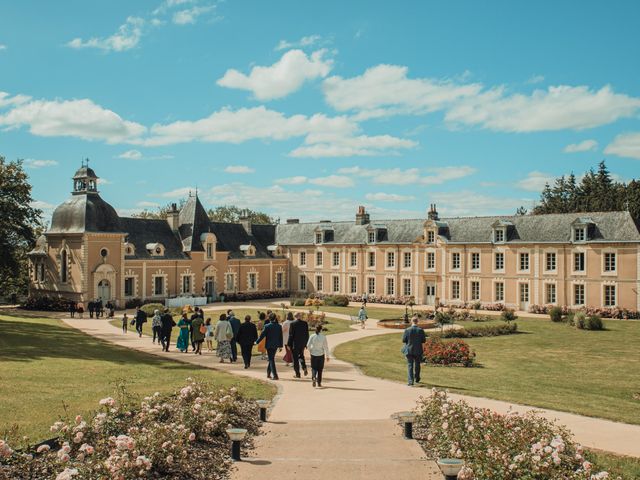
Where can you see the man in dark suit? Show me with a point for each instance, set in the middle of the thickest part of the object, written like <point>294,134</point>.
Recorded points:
<point>140,319</point>
<point>247,335</point>
<point>413,338</point>
<point>298,338</point>
<point>166,326</point>
<point>235,326</point>
<point>272,331</point>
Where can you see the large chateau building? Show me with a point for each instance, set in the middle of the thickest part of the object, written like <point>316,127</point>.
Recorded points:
<point>574,260</point>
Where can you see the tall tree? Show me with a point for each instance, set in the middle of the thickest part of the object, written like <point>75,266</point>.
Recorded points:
<point>232,214</point>
<point>19,221</point>
<point>160,212</point>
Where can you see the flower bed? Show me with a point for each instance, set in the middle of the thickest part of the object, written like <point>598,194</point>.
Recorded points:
<point>619,313</point>
<point>245,296</point>
<point>479,331</point>
<point>455,352</point>
<point>494,446</point>
<point>165,436</point>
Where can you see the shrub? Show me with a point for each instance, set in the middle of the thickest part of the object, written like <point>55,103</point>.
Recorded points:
<point>594,323</point>
<point>46,303</point>
<point>336,300</point>
<point>133,303</point>
<point>555,313</point>
<point>479,331</point>
<point>165,436</point>
<point>455,352</point>
<point>445,318</point>
<point>297,302</point>
<point>508,315</point>
<point>245,296</point>
<point>577,320</point>
<point>494,446</point>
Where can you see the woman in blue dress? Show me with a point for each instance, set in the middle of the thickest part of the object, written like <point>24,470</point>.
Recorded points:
<point>183,338</point>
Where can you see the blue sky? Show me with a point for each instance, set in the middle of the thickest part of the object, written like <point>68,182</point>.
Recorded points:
<point>308,109</point>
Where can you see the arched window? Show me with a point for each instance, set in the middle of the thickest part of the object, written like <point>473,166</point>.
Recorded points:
<point>63,267</point>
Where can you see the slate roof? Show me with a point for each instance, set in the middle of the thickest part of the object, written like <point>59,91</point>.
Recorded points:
<point>608,227</point>
<point>194,221</point>
<point>86,212</point>
<point>231,235</point>
<point>141,231</point>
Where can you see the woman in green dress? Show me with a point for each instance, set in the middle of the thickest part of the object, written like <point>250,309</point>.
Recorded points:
<point>197,334</point>
<point>183,338</point>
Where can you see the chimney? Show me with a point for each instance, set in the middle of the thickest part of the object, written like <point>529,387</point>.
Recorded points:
<point>245,221</point>
<point>433,213</point>
<point>173,217</point>
<point>292,221</point>
<point>362,217</point>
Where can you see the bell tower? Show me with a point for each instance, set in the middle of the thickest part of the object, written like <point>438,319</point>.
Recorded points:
<point>85,180</point>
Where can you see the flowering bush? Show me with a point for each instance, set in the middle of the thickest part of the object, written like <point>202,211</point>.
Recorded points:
<point>455,352</point>
<point>480,331</point>
<point>245,296</point>
<point>165,436</point>
<point>494,446</point>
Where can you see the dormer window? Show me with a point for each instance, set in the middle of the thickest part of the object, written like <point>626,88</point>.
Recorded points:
<point>431,236</point>
<point>581,228</point>
<point>209,240</point>
<point>276,250</point>
<point>372,237</point>
<point>377,233</point>
<point>129,249</point>
<point>155,249</point>
<point>248,250</point>
<point>498,235</point>
<point>580,234</point>
<point>318,237</point>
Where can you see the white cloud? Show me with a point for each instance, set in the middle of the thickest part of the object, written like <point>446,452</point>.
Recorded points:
<point>625,145</point>
<point>31,163</point>
<point>104,181</point>
<point>176,193</point>
<point>397,176</point>
<point>297,180</point>
<point>131,155</point>
<point>73,118</point>
<point>127,37</point>
<point>535,181</point>
<point>303,42</point>
<point>469,203</point>
<point>557,108</point>
<point>536,79</point>
<point>238,169</point>
<point>385,90</point>
<point>282,78</point>
<point>42,205</point>
<point>7,101</point>
<point>335,181</point>
<point>145,204</point>
<point>3,47</point>
<point>583,146</point>
<point>169,4</point>
<point>388,197</point>
<point>321,145</point>
<point>190,16</point>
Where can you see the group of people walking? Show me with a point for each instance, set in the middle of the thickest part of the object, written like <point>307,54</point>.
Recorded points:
<point>95,307</point>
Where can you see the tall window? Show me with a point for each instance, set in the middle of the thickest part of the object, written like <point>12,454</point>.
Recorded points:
<point>371,285</point>
<point>609,262</point>
<point>391,259</point>
<point>578,294</point>
<point>40,272</point>
<point>550,262</point>
<point>372,237</point>
<point>353,259</point>
<point>336,283</point>
<point>550,292</point>
<point>318,237</point>
<point>499,261</point>
<point>371,256</point>
<point>431,260</point>
<point>609,295</point>
<point>253,281</point>
<point>499,292</point>
<point>499,236</point>
<point>455,261</point>
<point>128,287</point>
<point>580,235</point>
<point>524,292</point>
<point>336,259</point>
<point>390,286</point>
<point>578,263</point>
<point>302,283</point>
<point>229,281</point>
<point>406,260</point>
<point>431,236</point>
<point>524,261</point>
<point>318,259</point>
<point>455,289</point>
<point>319,283</point>
<point>279,280</point>
<point>303,258</point>
<point>209,250</point>
<point>158,286</point>
<point>186,284</point>
<point>475,261</point>
<point>64,272</point>
<point>406,287</point>
<point>353,284</point>
<point>475,290</point>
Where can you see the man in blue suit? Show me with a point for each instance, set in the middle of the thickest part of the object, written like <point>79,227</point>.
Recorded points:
<point>413,338</point>
<point>272,331</point>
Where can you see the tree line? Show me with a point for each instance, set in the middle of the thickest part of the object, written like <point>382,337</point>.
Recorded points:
<point>223,213</point>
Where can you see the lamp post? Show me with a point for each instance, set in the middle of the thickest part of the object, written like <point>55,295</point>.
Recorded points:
<point>263,405</point>
<point>407,418</point>
<point>450,467</point>
<point>236,435</point>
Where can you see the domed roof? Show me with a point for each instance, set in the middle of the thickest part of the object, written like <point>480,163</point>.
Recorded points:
<point>85,213</point>
<point>84,172</point>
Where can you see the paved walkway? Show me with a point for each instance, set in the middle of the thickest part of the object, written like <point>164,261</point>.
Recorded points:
<point>344,428</point>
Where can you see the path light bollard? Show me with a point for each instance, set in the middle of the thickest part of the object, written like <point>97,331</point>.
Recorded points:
<point>236,435</point>
<point>407,418</point>
<point>450,467</point>
<point>263,405</point>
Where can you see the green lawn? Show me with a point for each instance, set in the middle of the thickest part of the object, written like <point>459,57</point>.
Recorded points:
<point>547,365</point>
<point>46,363</point>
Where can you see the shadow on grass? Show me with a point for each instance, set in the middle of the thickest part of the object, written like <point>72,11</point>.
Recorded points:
<point>27,341</point>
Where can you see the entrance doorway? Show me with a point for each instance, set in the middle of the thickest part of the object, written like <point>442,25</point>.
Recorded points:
<point>210,288</point>
<point>104,290</point>
<point>430,293</point>
<point>524,297</point>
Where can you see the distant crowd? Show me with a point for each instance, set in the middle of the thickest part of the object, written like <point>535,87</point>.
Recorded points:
<point>94,307</point>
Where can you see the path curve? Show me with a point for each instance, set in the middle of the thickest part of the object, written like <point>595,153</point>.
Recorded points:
<point>348,395</point>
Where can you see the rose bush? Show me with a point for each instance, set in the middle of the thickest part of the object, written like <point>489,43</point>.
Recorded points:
<point>494,446</point>
<point>454,352</point>
<point>165,436</point>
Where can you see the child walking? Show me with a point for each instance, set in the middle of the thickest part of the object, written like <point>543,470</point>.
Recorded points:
<point>125,323</point>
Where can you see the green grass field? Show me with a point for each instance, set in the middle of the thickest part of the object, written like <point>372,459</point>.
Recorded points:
<point>46,365</point>
<point>547,365</point>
